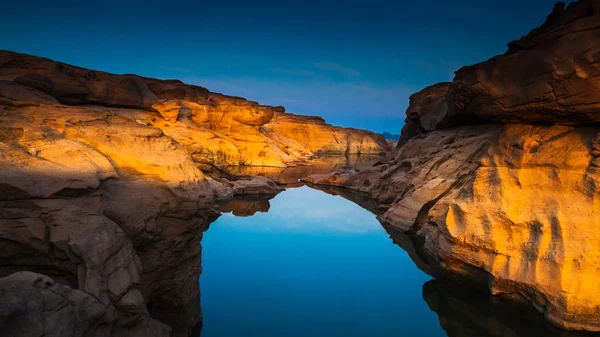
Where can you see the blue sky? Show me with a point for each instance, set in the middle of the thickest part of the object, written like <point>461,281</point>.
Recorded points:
<point>354,62</point>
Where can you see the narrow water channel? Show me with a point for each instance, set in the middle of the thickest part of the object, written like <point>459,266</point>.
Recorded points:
<point>313,265</point>
<point>308,263</point>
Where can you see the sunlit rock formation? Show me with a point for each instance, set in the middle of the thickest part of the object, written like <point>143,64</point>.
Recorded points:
<point>497,174</point>
<point>107,206</point>
<point>104,200</point>
<point>215,129</point>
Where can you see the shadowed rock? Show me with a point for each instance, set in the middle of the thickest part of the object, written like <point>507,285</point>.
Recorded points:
<point>551,75</point>
<point>34,305</point>
<point>468,313</point>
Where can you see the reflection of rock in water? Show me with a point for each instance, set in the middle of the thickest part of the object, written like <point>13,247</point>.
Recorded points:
<point>467,313</point>
<point>102,197</point>
<point>361,199</point>
<point>462,313</point>
<point>289,176</point>
<point>245,206</point>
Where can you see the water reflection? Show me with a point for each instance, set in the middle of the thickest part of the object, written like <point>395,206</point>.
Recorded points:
<point>315,264</point>
<point>245,206</point>
<point>301,210</point>
<point>318,264</point>
<point>289,176</point>
<point>466,313</point>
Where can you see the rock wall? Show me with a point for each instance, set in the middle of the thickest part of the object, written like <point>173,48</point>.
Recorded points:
<point>497,176</point>
<point>103,198</point>
<point>107,206</point>
<point>217,130</point>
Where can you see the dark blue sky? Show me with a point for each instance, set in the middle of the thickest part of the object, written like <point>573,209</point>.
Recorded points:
<point>353,62</point>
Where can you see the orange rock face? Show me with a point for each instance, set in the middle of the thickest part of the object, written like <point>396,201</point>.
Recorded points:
<point>513,208</point>
<point>313,134</point>
<point>216,130</point>
<point>102,188</point>
<point>492,193</point>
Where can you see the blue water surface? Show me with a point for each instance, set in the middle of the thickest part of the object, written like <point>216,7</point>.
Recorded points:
<point>314,265</point>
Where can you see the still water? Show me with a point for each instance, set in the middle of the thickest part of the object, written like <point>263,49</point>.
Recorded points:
<point>307,263</point>
<point>313,265</point>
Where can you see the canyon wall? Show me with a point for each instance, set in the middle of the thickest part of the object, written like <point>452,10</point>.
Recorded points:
<point>497,173</point>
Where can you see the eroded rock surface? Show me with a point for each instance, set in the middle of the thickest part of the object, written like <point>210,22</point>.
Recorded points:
<point>511,207</point>
<point>215,129</point>
<point>496,180</point>
<point>467,313</point>
<point>552,75</point>
<point>103,191</point>
<point>107,206</point>
<point>35,305</point>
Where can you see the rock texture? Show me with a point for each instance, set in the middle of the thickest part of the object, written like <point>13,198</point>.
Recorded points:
<point>291,176</point>
<point>34,305</point>
<point>103,194</point>
<point>313,134</point>
<point>107,206</point>
<point>215,129</point>
<point>427,111</point>
<point>492,193</point>
<point>552,75</point>
<point>465,313</point>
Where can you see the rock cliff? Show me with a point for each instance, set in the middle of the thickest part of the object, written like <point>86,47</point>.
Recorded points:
<point>103,198</point>
<point>496,177</point>
<point>215,129</point>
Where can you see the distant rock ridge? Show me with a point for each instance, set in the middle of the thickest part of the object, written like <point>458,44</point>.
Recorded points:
<point>390,136</point>
<point>215,129</point>
<point>496,176</point>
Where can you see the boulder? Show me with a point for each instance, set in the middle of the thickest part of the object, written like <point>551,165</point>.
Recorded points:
<point>551,75</point>
<point>34,305</point>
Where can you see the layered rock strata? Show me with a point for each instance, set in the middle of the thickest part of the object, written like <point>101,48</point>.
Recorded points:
<point>215,129</point>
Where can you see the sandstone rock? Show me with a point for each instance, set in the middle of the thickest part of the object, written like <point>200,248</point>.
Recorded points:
<point>34,305</point>
<point>101,186</point>
<point>552,75</point>
<point>409,130</point>
<point>217,130</point>
<point>295,175</point>
<point>255,186</point>
<point>429,108</point>
<point>466,313</point>
<point>317,136</point>
<point>509,207</point>
<point>128,207</point>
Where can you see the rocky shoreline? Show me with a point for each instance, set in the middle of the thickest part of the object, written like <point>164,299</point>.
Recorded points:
<point>496,175</point>
<point>107,183</point>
